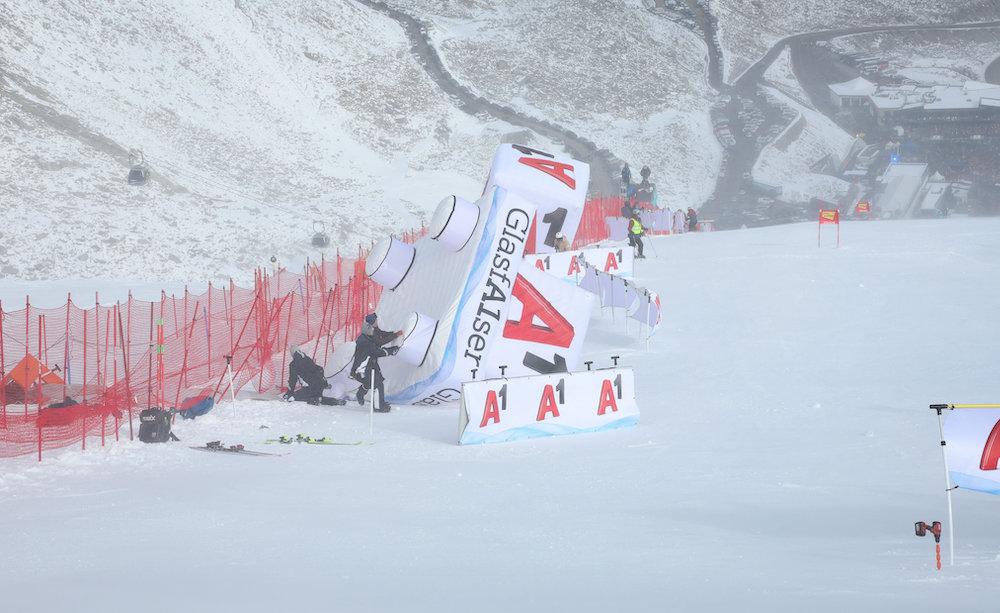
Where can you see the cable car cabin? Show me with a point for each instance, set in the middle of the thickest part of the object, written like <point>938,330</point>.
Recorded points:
<point>320,238</point>
<point>138,176</point>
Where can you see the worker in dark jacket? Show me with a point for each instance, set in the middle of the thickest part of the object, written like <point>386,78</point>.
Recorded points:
<point>368,348</point>
<point>635,234</point>
<point>311,374</point>
<point>626,176</point>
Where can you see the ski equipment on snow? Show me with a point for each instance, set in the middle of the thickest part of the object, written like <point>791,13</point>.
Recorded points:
<point>302,438</point>
<point>217,446</point>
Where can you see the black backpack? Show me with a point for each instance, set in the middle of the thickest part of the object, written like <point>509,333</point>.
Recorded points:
<point>154,426</point>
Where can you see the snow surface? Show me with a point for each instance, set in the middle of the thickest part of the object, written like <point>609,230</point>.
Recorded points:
<point>255,118</point>
<point>628,80</point>
<point>783,453</point>
<point>748,28</point>
<point>815,137</point>
<point>929,57</point>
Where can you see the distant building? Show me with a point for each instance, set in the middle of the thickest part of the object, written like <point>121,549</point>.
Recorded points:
<point>901,184</point>
<point>928,112</point>
<point>852,93</point>
<point>909,190</point>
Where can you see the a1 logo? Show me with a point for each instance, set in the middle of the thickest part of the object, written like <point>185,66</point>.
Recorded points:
<point>609,393</point>
<point>549,404</point>
<point>496,401</point>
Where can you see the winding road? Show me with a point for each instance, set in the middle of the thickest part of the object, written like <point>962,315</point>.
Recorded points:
<point>604,166</point>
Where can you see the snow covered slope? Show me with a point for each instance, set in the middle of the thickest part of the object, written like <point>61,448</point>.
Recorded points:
<point>783,453</point>
<point>627,79</point>
<point>748,28</point>
<point>256,119</point>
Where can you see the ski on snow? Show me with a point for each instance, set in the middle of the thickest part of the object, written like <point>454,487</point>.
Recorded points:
<point>308,440</point>
<point>218,447</point>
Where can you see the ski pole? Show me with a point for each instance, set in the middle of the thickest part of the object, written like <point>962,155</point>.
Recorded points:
<point>371,411</point>
<point>232,392</point>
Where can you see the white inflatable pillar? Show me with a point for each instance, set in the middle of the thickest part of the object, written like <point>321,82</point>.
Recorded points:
<point>454,222</point>
<point>389,262</point>
<point>417,336</point>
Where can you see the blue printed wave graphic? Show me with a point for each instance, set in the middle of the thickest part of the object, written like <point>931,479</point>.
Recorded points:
<point>539,430</point>
<point>978,484</point>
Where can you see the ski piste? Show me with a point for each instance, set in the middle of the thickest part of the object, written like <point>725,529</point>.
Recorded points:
<point>308,440</point>
<point>218,447</point>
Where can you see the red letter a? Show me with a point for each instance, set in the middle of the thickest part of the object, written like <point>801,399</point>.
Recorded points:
<point>607,398</point>
<point>557,331</point>
<point>574,266</point>
<point>611,263</point>
<point>991,450</point>
<point>491,411</point>
<point>547,404</point>
<point>556,170</point>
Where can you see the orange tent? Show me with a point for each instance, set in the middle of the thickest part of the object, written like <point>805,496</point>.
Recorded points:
<point>27,373</point>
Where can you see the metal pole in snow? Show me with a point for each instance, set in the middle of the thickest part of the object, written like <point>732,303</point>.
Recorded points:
<point>948,488</point>
<point>371,409</point>
<point>232,391</point>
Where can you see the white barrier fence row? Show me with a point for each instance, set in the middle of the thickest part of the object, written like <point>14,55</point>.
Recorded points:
<point>639,303</point>
<point>566,265</point>
<point>511,409</point>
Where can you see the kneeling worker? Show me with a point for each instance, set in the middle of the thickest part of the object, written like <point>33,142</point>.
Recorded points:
<point>369,346</point>
<point>313,380</point>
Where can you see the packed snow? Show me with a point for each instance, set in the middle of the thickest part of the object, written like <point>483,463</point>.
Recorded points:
<point>784,451</point>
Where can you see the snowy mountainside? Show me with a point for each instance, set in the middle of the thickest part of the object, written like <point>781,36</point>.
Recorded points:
<point>936,57</point>
<point>629,80</point>
<point>748,28</point>
<point>255,119</point>
<point>812,136</point>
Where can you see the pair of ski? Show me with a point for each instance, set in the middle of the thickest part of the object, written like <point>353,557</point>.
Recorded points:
<point>308,440</point>
<point>218,447</point>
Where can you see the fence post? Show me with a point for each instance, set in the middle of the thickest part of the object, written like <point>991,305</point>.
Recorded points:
<point>3,371</point>
<point>27,337</point>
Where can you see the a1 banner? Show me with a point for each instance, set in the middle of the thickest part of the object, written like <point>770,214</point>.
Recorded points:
<point>973,449</point>
<point>556,185</point>
<point>511,409</point>
<point>546,325</point>
<point>566,265</point>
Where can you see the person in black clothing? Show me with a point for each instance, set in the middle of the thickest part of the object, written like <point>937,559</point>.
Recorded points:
<point>626,176</point>
<point>368,348</point>
<point>313,379</point>
<point>692,220</point>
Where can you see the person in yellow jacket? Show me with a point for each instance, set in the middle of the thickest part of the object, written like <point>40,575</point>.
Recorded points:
<point>635,232</point>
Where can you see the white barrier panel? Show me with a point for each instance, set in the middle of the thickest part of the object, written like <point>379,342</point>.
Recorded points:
<point>464,293</point>
<point>511,409</point>
<point>556,185</point>
<point>566,266</point>
<point>639,303</point>
<point>547,322</point>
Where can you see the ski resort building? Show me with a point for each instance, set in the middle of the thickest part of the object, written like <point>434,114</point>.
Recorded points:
<point>853,93</point>
<point>909,190</point>
<point>928,112</point>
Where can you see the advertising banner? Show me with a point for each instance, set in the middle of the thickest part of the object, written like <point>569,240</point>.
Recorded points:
<point>566,265</point>
<point>556,185</point>
<point>973,449</point>
<point>511,409</point>
<point>546,325</point>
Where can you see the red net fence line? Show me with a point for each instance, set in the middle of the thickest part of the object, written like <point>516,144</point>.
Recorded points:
<point>107,362</point>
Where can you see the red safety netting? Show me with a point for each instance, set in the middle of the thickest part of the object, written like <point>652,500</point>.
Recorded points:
<point>114,360</point>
